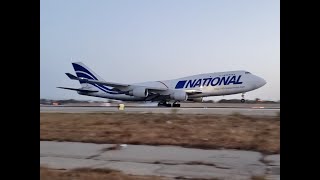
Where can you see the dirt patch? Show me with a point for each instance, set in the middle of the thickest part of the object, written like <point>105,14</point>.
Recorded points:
<point>258,177</point>
<point>197,131</point>
<point>92,174</point>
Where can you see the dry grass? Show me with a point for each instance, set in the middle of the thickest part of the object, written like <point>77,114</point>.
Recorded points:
<point>199,131</point>
<point>92,174</point>
<point>258,178</point>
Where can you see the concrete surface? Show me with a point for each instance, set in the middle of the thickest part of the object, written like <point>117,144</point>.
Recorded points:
<point>222,111</point>
<point>184,105</point>
<point>168,161</point>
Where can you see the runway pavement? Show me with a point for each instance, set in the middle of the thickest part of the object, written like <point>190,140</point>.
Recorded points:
<point>251,111</point>
<point>168,161</point>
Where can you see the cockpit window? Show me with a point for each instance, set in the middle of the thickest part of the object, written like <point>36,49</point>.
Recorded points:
<point>247,73</point>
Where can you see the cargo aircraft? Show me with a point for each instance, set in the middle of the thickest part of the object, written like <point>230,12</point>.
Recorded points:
<point>190,88</point>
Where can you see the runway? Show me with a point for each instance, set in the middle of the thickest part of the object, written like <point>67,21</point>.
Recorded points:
<point>167,161</point>
<point>250,111</point>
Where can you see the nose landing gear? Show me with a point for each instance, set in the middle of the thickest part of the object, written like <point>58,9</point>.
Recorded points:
<point>242,100</point>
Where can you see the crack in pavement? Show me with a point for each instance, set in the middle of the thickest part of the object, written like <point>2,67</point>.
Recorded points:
<point>118,147</point>
<point>105,149</point>
<point>266,164</point>
<point>187,178</point>
<point>191,163</point>
<point>161,164</point>
<point>263,160</point>
<point>143,162</point>
<point>269,168</point>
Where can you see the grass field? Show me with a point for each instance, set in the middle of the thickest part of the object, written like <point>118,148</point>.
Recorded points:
<point>198,131</point>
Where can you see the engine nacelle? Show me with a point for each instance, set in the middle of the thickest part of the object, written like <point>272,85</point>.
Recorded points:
<point>139,92</point>
<point>179,96</point>
<point>200,99</point>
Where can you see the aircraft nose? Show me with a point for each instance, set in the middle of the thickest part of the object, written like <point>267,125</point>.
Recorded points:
<point>261,82</point>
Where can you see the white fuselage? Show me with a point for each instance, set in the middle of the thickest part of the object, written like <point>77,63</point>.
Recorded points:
<point>209,84</point>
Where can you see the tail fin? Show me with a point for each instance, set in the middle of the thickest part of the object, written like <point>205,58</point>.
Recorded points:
<point>82,71</point>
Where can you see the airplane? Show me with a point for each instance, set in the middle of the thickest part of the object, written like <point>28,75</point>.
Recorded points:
<point>190,88</point>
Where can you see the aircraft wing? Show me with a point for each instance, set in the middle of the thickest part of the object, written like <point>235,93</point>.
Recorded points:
<point>112,84</point>
<point>120,85</point>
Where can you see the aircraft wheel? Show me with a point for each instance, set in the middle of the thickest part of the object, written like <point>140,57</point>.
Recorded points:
<point>176,105</point>
<point>243,101</point>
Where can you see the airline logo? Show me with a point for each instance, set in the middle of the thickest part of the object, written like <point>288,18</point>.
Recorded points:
<point>217,81</point>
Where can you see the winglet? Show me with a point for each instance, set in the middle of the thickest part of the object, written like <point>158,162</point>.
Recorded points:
<point>71,76</point>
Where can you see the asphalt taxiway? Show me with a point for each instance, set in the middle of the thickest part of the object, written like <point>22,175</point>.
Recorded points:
<point>250,111</point>
<point>167,161</point>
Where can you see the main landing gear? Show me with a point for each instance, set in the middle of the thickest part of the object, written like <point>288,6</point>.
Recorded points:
<point>165,104</point>
<point>175,104</point>
<point>242,98</point>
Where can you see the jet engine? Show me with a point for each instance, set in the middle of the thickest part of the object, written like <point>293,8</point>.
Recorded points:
<point>139,92</point>
<point>179,96</point>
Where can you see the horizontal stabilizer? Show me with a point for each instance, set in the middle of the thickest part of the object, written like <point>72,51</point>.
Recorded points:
<point>71,76</point>
<point>81,90</point>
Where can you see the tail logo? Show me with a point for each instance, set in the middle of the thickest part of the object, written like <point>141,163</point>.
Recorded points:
<point>85,73</point>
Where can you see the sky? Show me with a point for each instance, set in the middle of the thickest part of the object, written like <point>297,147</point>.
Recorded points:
<point>130,41</point>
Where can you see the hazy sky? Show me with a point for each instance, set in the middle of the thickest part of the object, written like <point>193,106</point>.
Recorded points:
<point>131,41</point>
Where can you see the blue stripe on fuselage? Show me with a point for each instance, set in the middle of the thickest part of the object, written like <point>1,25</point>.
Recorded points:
<point>101,87</point>
<point>180,84</point>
